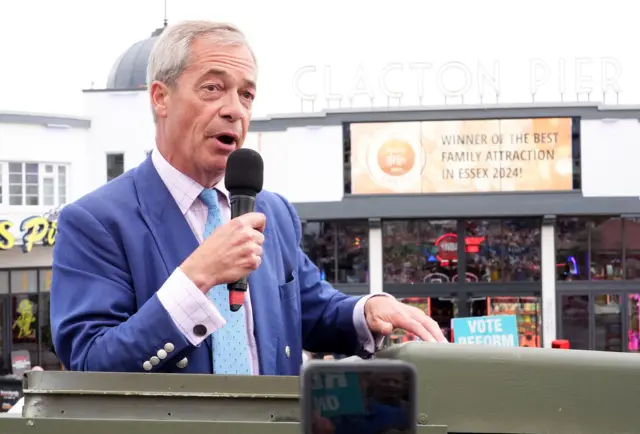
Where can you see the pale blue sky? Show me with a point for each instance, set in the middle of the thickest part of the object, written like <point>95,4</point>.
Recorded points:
<point>50,50</point>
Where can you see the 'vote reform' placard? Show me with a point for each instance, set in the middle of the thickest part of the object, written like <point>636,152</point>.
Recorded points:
<point>499,330</point>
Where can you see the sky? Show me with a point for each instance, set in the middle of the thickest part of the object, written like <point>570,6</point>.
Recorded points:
<point>51,50</point>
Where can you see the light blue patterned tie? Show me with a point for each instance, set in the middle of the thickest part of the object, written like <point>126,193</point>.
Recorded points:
<point>230,347</point>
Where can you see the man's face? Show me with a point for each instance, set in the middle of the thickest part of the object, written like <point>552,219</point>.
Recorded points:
<point>206,115</point>
<point>387,388</point>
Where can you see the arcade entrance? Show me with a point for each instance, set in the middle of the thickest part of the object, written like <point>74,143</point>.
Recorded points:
<point>443,309</point>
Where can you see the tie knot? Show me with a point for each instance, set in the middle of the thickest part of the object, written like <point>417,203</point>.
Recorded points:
<point>210,198</point>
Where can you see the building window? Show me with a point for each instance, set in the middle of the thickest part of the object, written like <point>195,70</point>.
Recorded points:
<point>339,249</point>
<point>24,307</point>
<point>574,321</point>
<point>420,251</point>
<point>634,323</point>
<point>115,166</point>
<point>632,248</point>
<point>596,322</point>
<point>34,184</point>
<point>62,185</point>
<point>503,250</point>
<point>590,248</point>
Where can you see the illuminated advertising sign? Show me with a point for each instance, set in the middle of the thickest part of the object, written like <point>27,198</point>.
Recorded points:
<point>33,230</point>
<point>468,156</point>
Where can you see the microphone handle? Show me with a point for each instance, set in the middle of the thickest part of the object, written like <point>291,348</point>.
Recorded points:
<point>240,204</point>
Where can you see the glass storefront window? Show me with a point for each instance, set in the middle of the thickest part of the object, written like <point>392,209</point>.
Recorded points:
<point>24,311</point>
<point>420,251</point>
<point>634,323</point>
<point>632,248</point>
<point>608,323</point>
<point>24,324</point>
<point>441,309</point>
<point>590,248</point>
<point>572,246</point>
<point>339,249</point>
<point>575,320</point>
<point>606,249</point>
<point>49,360</point>
<point>503,250</point>
<point>353,252</point>
<point>24,281</point>
<point>319,245</point>
<point>45,279</point>
<point>4,282</point>
<point>527,310</point>
<point>596,321</point>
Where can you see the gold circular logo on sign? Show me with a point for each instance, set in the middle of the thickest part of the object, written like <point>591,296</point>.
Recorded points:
<point>396,157</point>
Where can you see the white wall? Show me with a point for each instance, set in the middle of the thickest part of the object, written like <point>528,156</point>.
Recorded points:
<point>121,122</point>
<point>303,164</point>
<point>40,144</point>
<point>610,157</point>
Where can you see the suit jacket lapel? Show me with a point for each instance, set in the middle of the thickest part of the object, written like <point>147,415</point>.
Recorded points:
<point>263,307</point>
<point>162,215</point>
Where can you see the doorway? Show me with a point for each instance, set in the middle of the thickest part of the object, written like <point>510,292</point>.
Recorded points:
<point>601,321</point>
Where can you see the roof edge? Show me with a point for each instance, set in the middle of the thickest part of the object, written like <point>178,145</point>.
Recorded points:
<point>449,108</point>
<point>46,120</point>
<point>135,89</point>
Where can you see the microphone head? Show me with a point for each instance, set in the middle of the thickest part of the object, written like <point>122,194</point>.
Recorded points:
<point>244,173</point>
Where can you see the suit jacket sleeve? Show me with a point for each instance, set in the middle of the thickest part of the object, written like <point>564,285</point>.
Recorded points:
<point>327,314</point>
<point>96,322</point>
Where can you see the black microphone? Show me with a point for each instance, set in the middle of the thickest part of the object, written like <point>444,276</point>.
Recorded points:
<point>243,179</point>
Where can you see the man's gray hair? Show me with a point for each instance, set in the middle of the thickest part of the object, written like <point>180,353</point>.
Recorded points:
<point>171,54</point>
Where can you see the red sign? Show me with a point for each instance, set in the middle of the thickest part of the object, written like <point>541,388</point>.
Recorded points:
<point>447,246</point>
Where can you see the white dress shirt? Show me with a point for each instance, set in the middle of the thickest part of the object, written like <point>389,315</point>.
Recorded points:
<point>182,299</point>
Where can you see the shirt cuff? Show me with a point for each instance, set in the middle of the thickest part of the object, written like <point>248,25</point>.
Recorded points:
<point>370,344</point>
<point>188,307</point>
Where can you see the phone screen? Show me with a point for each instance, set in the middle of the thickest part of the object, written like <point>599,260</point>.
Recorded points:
<point>362,402</point>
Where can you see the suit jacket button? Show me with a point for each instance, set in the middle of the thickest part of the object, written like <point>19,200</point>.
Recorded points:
<point>168,347</point>
<point>182,363</point>
<point>147,366</point>
<point>199,330</point>
<point>162,354</point>
<point>154,360</point>
<point>287,351</point>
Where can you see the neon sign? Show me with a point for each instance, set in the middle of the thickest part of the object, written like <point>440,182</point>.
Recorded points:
<point>447,245</point>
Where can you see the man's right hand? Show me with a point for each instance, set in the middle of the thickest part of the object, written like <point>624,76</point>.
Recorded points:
<point>230,253</point>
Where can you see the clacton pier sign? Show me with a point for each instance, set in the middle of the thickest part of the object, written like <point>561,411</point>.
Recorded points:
<point>29,231</point>
<point>418,83</point>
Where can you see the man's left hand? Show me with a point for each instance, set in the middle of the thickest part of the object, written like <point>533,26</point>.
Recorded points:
<point>384,314</point>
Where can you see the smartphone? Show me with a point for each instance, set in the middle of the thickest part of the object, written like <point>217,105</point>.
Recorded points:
<point>361,397</point>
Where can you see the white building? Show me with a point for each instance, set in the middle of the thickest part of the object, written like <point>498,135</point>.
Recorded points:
<point>557,245</point>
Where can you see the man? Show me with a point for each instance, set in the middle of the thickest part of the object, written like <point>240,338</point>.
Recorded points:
<point>141,264</point>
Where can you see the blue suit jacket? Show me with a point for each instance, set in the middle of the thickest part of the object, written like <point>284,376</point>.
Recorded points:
<point>116,247</point>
